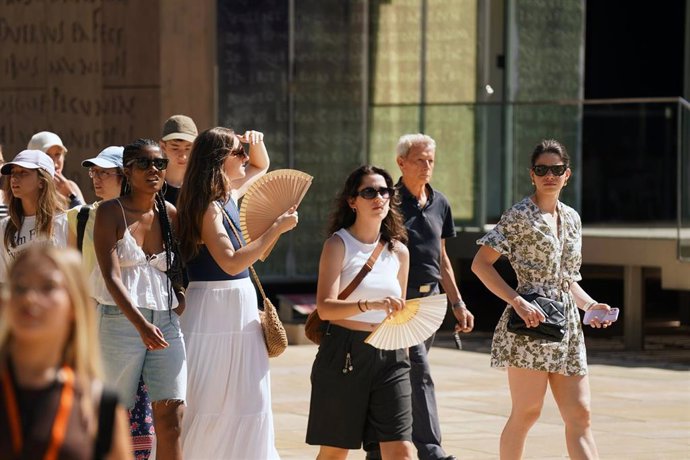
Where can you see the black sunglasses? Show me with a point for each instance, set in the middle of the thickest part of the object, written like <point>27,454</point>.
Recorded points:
<point>239,152</point>
<point>370,193</point>
<point>145,163</point>
<point>556,170</point>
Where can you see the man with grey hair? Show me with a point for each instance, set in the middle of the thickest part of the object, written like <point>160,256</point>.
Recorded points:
<point>429,222</point>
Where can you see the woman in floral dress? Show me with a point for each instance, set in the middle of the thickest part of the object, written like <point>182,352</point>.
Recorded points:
<point>542,239</point>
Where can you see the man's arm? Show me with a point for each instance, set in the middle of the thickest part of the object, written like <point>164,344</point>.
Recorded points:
<point>464,317</point>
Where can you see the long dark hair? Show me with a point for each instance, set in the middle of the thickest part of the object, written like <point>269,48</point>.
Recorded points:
<point>173,261</point>
<point>392,227</point>
<point>204,181</point>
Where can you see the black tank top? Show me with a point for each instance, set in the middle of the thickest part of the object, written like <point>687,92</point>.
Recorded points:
<point>203,267</point>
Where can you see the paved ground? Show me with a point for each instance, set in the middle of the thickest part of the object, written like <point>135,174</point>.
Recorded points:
<point>641,403</point>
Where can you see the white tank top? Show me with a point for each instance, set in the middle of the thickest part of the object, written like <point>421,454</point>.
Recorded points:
<point>382,280</point>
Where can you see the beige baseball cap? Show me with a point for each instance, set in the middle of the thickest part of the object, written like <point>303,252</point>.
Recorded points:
<point>44,140</point>
<point>179,127</point>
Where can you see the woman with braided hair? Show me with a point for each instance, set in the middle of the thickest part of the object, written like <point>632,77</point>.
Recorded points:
<point>139,301</point>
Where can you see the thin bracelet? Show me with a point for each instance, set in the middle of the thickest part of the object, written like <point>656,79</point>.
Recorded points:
<point>366,304</point>
<point>359,305</point>
<point>459,304</point>
<point>589,305</point>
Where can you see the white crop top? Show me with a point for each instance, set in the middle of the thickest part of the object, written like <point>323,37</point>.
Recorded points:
<point>143,276</point>
<point>382,280</point>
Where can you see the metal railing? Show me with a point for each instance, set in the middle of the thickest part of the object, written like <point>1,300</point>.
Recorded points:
<point>683,180</point>
<point>630,160</point>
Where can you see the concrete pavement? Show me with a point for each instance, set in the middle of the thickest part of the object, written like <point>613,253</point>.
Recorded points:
<point>641,410</point>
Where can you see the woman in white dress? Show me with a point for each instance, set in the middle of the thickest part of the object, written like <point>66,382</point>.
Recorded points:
<point>228,412</point>
<point>36,214</point>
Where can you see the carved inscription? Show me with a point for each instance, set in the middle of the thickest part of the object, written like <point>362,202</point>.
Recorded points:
<point>67,66</point>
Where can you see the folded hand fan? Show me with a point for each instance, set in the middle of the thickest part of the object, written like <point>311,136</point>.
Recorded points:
<point>412,325</point>
<point>269,197</point>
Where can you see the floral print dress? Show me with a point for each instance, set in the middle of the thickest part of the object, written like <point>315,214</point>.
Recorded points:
<point>524,236</point>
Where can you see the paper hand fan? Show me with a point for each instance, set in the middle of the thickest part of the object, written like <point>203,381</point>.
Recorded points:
<point>269,197</point>
<point>413,325</point>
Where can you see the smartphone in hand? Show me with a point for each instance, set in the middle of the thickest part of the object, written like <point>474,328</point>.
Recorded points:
<point>601,315</point>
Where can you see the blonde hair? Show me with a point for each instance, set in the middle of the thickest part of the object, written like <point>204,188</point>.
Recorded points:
<point>49,205</point>
<point>82,349</point>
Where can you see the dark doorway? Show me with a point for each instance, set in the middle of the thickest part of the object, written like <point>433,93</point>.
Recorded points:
<point>629,150</point>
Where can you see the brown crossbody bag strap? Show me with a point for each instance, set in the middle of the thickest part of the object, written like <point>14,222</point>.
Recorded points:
<point>366,268</point>
<point>313,327</point>
<point>239,241</point>
<point>274,333</point>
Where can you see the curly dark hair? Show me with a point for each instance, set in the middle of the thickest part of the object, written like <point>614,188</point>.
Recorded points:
<point>392,227</point>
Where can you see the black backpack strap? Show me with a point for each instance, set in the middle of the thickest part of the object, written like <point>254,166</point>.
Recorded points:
<point>82,218</point>
<point>106,423</point>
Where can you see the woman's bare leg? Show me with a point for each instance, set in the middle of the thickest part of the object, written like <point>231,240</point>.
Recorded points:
<point>527,390</point>
<point>572,396</point>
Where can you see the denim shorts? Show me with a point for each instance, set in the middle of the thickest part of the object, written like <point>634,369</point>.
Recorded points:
<point>125,357</point>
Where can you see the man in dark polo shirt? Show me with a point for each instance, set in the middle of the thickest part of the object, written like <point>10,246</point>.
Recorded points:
<point>429,222</point>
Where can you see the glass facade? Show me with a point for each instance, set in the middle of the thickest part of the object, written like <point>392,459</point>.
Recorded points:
<point>333,84</point>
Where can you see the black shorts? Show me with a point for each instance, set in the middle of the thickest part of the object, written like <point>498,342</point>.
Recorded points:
<point>366,405</point>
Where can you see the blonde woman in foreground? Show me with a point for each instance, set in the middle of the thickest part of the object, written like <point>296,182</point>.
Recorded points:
<point>52,402</point>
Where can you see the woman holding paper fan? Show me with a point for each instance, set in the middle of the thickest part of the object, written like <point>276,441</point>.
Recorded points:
<point>360,394</point>
<point>542,239</point>
<point>228,412</point>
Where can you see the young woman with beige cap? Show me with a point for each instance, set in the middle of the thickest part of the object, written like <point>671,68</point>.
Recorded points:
<point>36,214</point>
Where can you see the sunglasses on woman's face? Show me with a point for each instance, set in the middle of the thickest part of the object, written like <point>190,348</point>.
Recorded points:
<point>239,152</point>
<point>369,193</point>
<point>556,170</point>
<point>145,163</point>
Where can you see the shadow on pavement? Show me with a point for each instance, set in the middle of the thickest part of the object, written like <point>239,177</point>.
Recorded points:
<point>661,350</point>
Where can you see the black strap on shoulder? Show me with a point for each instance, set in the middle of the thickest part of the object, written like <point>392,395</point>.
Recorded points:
<point>106,423</point>
<point>82,218</point>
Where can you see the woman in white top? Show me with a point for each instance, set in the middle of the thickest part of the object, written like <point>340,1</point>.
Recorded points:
<point>138,303</point>
<point>361,395</point>
<point>35,210</point>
